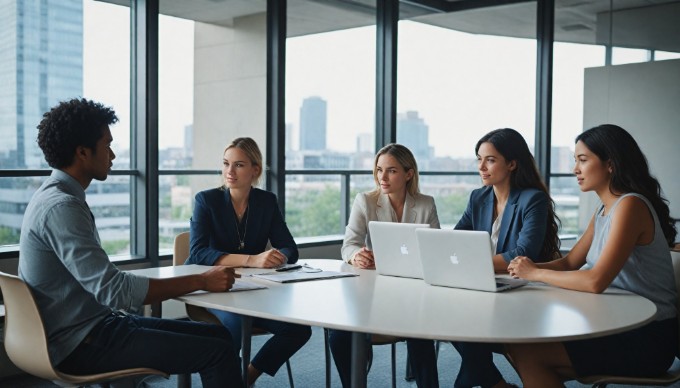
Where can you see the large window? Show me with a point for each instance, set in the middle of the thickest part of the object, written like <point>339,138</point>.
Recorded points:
<point>330,112</point>
<point>175,125</point>
<point>472,76</point>
<point>52,51</point>
<point>460,73</point>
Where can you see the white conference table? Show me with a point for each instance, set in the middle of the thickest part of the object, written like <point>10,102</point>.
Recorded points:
<point>410,308</point>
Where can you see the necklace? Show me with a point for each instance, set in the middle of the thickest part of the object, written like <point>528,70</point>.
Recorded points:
<point>241,241</point>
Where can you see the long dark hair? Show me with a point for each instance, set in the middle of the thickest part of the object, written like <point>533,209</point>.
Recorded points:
<point>512,146</point>
<point>630,170</point>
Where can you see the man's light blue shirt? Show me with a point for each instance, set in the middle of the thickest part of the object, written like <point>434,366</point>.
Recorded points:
<point>62,261</point>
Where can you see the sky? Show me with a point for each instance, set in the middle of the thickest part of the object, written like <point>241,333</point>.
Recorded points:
<point>462,85</point>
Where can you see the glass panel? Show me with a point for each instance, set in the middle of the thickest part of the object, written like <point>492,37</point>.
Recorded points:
<point>175,206</point>
<point>360,184</point>
<point>569,64</point>
<point>476,73</point>
<point>330,85</point>
<point>451,194</point>
<point>330,107</point>
<point>565,192</point>
<point>109,201</point>
<point>313,205</point>
<point>175,92</point>
<point>106,67</point>
<point>14,196</point>
<point>52,51</point>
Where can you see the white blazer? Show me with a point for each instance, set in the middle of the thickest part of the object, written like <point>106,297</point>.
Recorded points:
<point>371,207</point>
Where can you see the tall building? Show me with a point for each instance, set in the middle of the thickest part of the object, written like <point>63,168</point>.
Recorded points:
<point>313,124</point>
<point>366,142</point>
<point>41,63</point>
<point>414,134</point>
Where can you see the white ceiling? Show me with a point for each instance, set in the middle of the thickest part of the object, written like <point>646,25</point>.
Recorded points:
<point>650,24</point>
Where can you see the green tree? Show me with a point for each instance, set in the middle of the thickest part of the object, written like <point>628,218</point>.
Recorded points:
<point>8,236</point>
<point>451,207</point>
<point>314,213</point>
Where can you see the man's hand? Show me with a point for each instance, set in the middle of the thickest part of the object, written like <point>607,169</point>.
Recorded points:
<point>219,279</point>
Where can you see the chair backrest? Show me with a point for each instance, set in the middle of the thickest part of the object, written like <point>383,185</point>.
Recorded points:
<point>25,339</point>
<point>675,259</point>
<point>181,252</point>
<point>179,256</point>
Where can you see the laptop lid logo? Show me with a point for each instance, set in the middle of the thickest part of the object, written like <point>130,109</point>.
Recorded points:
<point>404,249</point>
<point>454,258</point>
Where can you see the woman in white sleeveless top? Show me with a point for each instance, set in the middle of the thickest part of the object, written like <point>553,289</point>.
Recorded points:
<point>626,245</point>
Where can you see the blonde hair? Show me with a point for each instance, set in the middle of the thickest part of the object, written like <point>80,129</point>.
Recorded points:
<point>406,159</point>
<point>252,151</point>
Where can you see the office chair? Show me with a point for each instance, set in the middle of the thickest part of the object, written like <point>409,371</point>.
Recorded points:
<point>26,342</point>
<point>376,339</point>
<point>671,376</point>
<point>200,314</point>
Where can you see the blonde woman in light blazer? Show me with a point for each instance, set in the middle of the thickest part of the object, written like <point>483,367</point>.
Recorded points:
<point>396,198</point>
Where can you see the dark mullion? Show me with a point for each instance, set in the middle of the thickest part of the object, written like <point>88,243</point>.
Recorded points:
<point>387,21</point>
<point>276,86</point>
<point>545,32</point>
<point>144,136</point>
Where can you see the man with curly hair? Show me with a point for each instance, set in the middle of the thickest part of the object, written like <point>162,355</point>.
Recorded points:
<point>83,298</point>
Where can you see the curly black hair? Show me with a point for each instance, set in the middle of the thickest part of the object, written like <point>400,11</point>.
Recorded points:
<point>70,124</point>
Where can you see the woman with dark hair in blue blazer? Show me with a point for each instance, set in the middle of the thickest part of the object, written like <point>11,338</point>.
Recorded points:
<point>514,206</point>
<point>232,225</point>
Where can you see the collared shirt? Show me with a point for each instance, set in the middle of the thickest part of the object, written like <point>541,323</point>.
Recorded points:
<point>62,261</point>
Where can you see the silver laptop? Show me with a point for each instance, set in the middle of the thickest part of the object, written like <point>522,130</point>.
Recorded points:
<point>460,259</point>
<point>395,248</point>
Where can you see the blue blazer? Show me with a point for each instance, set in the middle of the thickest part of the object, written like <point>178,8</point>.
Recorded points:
<point>524,223</point>
<point>213,227</point>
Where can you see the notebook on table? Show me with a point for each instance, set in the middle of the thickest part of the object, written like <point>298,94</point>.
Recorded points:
<point>395,248</point>
<point>460,259</point>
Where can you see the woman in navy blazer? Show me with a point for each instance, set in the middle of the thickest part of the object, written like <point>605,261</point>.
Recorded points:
<point>231,225</point>
<point>515,208</point>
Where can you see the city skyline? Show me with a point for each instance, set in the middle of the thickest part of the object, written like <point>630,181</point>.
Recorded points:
<point>351,88</point>
<point>350,91</point>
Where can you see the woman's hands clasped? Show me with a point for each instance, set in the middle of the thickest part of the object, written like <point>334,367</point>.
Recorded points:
<point>363,259</point>
<point>267,259</point>
<point>522,267</point>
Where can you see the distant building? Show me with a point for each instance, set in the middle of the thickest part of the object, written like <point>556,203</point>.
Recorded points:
<point>313,124</point>
<point>45,66</point>
<point>47,37</point>
<point>415,134</point>
<point>189,140</point>
<point>366,142</point>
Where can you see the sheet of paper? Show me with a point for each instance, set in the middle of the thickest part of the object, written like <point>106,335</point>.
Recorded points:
<point>301,276</point>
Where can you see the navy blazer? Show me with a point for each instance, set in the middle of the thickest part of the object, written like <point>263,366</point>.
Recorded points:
<point>524,223</point>
<point>213,227</point>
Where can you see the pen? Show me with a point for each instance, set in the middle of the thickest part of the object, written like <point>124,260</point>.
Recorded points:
<point>289,268</point>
